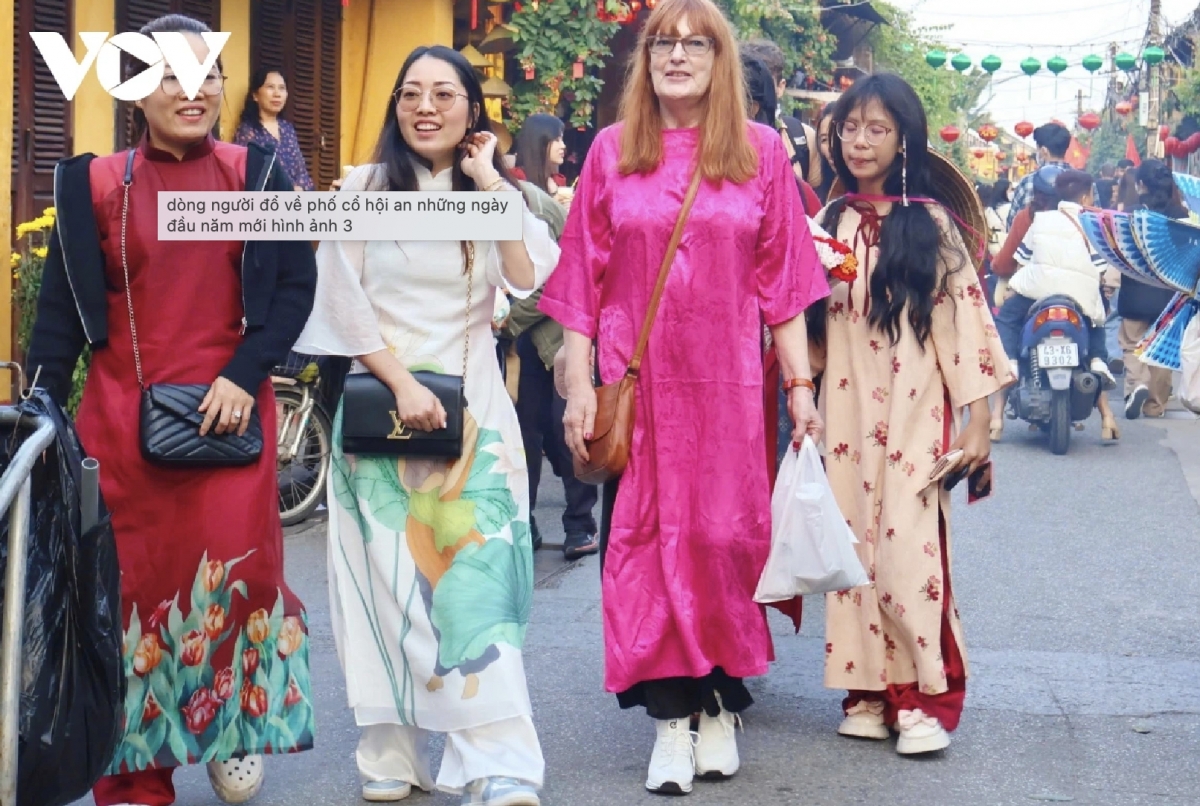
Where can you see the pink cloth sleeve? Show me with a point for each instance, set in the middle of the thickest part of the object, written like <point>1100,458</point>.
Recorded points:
<point>790,275</point>
<point>572,295</point>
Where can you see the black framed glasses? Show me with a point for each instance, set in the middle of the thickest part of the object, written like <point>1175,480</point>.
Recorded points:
<point>692,45</point>
<point>442,98</point>
<point>874,132</point>
<point>214,84</point>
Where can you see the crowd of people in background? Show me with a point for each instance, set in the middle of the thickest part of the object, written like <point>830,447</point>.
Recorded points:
<point>755,348</point>
<point>1126,308</point>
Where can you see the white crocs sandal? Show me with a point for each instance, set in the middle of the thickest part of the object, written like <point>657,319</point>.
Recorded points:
<point>236,780</point>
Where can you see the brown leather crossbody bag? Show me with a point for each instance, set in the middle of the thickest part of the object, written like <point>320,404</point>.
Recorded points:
<point>612,432</point>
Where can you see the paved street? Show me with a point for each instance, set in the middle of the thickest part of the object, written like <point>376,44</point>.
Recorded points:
<point>1078,585</point>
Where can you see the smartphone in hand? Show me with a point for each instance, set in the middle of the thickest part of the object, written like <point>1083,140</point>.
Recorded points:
<point>979,483</point>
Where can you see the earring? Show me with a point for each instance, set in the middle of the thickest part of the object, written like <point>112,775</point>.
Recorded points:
<point>904,173</point>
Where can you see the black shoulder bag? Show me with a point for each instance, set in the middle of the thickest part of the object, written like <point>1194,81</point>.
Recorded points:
<point>169,429</point>
<point>372,426</point>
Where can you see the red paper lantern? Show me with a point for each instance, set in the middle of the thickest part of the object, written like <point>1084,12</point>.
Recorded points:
<point>1022,156</point>
<point>577,69</point>
<point>1124,108</point>
<point>979,152</point>
<point>949,133</point>
<point>1023,129</point>
<point>1089,120</point>
<point>1001,156</point>
<point>530,73</point>
<point>635,6</point>
<point>988,132</point>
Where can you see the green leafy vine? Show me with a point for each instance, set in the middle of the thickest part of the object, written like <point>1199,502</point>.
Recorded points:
<point>552,35</point>
<point>794,25</point>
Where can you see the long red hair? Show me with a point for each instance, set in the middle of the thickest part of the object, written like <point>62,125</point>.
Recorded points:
<point>725,148</point>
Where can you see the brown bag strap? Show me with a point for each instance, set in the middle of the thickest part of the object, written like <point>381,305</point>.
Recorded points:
<point>651,312</point>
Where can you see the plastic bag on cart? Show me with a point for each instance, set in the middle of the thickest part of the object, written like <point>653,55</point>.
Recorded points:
<point>72,688</point>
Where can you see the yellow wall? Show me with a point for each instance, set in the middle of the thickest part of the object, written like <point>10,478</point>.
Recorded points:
<point>6,146</point>
<point>377,36</point>
<point>235,61</point>
<point>93,108</point>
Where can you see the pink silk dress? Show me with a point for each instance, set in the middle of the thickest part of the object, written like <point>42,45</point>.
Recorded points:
<point>691,526</point>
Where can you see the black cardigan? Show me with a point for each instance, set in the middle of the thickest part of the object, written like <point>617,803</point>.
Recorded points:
<point>279,284</point>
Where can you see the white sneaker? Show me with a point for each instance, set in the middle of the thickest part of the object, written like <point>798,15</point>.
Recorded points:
<point>236,780</point>
<point>673,761</point>
<point>386,791</point>
<point>1101,370</point>
<point>920,733</point>
<point>864,720</point>
<point>717,751</point>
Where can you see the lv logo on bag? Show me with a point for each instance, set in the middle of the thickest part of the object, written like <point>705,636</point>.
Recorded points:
<point>399,429</point>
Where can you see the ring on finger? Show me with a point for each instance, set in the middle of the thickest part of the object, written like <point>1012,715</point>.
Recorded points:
<point>237,415</point>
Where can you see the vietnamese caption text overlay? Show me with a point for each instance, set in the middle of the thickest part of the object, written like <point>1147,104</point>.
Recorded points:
<point>340,216</point>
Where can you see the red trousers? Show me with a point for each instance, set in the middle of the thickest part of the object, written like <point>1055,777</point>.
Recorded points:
<point>147,788</point>
<point>946,708</point>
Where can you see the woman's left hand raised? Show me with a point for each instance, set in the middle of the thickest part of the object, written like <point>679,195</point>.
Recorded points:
<point>228,406</point>
<point>803,410</point>
<point>480,149</point>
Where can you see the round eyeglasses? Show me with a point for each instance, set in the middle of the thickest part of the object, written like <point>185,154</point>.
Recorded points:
<point>214,84</point>
<point>442,98</point>
<point>875,133</point>
<point>692,45</point>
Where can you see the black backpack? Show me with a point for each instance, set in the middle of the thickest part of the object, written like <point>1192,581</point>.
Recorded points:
<point>799,146</point>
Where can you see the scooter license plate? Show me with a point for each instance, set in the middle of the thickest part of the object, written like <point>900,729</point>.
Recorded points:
<point>1058,355</point>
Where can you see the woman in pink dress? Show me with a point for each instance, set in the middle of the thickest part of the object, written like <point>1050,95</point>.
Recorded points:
<point>689,531</point>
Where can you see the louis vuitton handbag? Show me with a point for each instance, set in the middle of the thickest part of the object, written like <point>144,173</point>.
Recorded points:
<point>170,420</point>
<point>612,433</point>
<point>372,426</point>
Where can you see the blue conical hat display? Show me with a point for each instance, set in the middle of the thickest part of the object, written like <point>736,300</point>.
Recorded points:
<point>1189,186</point>
<point>1126,244</point>
<point>1161,345</point>
<point>1171,248</point>
<point>1093,226</point>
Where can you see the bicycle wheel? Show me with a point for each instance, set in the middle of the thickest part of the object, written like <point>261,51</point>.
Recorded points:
<point>302,479</point>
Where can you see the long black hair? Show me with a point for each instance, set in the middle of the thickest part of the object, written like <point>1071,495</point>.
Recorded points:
<point>760,88</point>
<point>905,277</point>
<point>1161,195</point>
<point>131,65</point>
<point>397,156</point>
<point>251,114</point>
<point>533,142</point>
<point>827,170</point>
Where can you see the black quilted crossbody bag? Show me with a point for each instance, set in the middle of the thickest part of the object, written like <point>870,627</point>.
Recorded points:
<point>371,425</point>
<point>169,427</point>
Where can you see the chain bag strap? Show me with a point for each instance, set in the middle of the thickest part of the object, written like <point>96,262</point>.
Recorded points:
<point>371,425</point>
<point>170,419</point>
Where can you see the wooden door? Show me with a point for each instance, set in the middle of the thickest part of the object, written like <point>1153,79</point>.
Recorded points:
<point>41,115</point>
<point>131,16</point>
<point>302,38</point>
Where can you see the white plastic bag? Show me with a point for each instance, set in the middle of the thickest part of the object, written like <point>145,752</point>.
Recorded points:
<point>1189,364</point>
<point>812,546</point>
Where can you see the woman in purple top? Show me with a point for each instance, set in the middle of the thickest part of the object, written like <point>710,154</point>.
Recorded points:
<point>262,124</point>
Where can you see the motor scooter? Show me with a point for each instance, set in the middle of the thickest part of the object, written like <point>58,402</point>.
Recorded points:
<point>1056,389</point>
